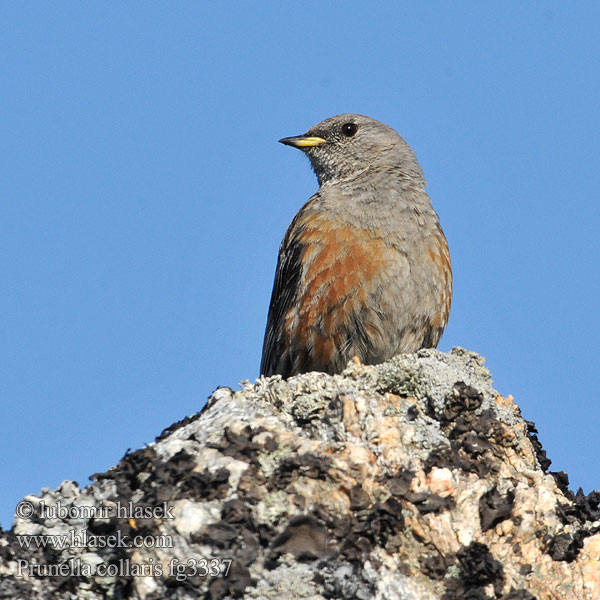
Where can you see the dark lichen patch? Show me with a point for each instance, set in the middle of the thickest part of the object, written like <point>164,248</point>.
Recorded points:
<point>478,566</point>
<point>484,425</point>
<point>540,453</point>
<point>170,470</point>
<point>478,569</point>
<point>353,536</point>
<point>566,546</point>
<point>579,514</point>
<point>454,457</point>
<point>221,535</point>
<point>160,482</point>
<point>304,537</point>
<point>238,532</point>
<point>562,483</point>
<point>251,486</point>
<point>474,444</point>
<point>126,474</point>
<point>473,434</point>
<point>309,465</point>
<point>386,519</point>
<point>238,511</point>
<point>399,483</point>
<point>436,567</point>
<point>412,412</point>
<point>249,547</point>
<point>359,498</point>
<point>355,547</point>
<point>176,478</point>
<point>236,536</point>
<point>588,505</point>
<point>495,507</point>
<point>525,569</point>
<point>167,431</point>
<point>583,508</point>
<point>232,586</point>
<point>430,503</point>
<point>11,550</point>
<point>376,525</point>
<point>399,486</point>
<point>474,439</point>
<point>239,445</point>
<point>206,485</point>
<point>462,398</point>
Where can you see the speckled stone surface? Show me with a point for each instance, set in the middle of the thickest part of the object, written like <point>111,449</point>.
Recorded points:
<point>410,480</point>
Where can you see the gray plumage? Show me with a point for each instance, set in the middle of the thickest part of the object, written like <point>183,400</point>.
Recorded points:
<point>364,269</point>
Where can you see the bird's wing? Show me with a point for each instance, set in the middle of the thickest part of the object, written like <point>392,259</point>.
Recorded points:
<point>275,355</point>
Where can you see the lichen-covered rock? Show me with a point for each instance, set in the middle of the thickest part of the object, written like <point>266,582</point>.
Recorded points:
<point>410,480</point>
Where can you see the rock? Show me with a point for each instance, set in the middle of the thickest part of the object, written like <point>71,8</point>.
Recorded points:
<point>410,480</point>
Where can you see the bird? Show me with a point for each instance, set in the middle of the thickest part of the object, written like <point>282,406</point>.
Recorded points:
<point>364,269</point>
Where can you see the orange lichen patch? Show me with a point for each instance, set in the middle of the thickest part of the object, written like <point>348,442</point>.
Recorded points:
<point>507,435</point>
<point>350,416</point>
<point>364,463</point>
<point>334,500</point>
<point>502,401</point>
<point>388,437</point>
<point>394,400</point>
<point>504,527</point>
<point>590,570</point>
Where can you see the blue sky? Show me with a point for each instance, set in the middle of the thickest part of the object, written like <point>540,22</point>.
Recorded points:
<point>144,195</point>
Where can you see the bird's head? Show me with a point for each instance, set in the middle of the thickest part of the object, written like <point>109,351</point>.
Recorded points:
<point>344,147</point>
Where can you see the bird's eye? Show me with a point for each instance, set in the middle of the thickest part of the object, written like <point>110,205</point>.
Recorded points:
<point>349,129</point>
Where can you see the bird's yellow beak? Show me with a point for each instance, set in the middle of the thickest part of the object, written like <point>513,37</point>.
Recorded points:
<point>303,141</point>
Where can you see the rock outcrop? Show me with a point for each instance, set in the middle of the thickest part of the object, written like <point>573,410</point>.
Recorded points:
<point>410,480</point>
